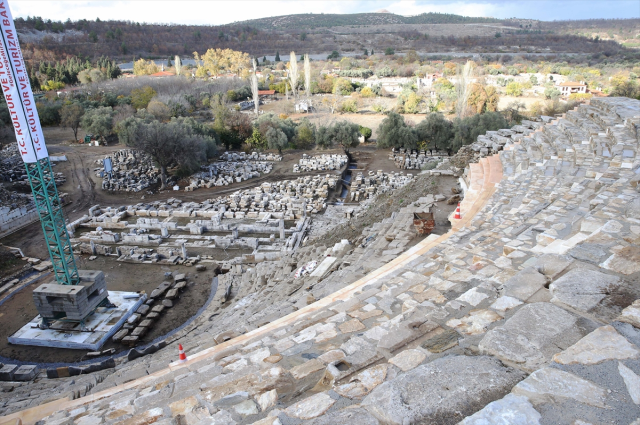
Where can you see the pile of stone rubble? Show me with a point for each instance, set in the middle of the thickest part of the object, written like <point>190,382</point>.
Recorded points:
<point>253,156</point>
<point>414,160</point>
<point>12,167</point>
<point>224,173</point>
<point>366,187</point>
<point>133,171</point>
<point>324,162</point>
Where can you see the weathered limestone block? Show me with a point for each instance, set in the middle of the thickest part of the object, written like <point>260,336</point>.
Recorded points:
<point>350,415</point>
<point>363,383</point>
<point>524,284</point>
<point>603,344</point>
<point>253,383</point>
<point>310,407</point>
<point>510,410</point>
<point>631,314</point>
<point>405,332</point>
<point>554,385</point>
<point>584,290</point>
<point>443,391</point>
<point>533,335</point>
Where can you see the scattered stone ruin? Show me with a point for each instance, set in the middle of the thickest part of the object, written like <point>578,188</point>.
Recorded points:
<point>363,188</point>
<point>226,173</point>
<point>12,167</point>
<point>414,160</point>
<point>133,171</point>
<point>527,311</point>
<point>322,162</point>
<point>253,156</point>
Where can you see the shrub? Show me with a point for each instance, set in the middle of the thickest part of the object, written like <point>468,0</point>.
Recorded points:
<point>349,105</point>
<point>366,132</point>
<point>367,92</point>
<point>140,98</point>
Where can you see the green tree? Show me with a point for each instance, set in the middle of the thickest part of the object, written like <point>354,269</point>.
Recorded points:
<point>552,93</point>
<point>303,36</point>
<point>366,132</point>
<point>627,88</point>
<point>534,80</point>
<point>393,132</point>
<point>93,37</point>
<point>305,134</point>
<point>276,139</point>
<point>141,97</point>
<point>349,105</point>
<point>436,132</point>
<point>170,144</point>
<point>514,89</point>
<point>467,130</point>
<point>277,58</point>
<point>342,86</point>
<point>49,113</point>
<point>98,121</point>
<point>70,116</point>
<point>343,133</point>
<point>333,55</point>
<point>389,51</point>
<point>257,140</point>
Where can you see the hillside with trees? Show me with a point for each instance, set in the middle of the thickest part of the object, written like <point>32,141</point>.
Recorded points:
<point>328,20</point>
<point>44,40</point>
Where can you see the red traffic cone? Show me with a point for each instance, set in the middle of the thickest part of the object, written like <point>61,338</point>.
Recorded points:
<point>182,357</point>
<point>457,215</point>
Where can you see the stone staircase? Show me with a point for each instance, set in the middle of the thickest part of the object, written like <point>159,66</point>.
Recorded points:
<point>524,313</point>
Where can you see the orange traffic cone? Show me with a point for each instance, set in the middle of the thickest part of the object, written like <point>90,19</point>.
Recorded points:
<point>457,215</point>
<point>183,357</point>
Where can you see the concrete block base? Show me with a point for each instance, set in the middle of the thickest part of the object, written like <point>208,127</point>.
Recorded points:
<point>104,323</point>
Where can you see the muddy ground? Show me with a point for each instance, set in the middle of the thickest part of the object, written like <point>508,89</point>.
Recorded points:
<point>19,309</point>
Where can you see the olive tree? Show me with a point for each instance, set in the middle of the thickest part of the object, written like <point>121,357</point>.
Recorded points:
<point>394,132</point>
<point>436,132</point>
<point>169,144</point>
<point>276,139</point>
<point>70,116</point>
<point>343,133</point>
<point>98,121</point>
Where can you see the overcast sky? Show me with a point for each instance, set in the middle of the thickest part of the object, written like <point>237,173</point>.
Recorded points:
<point>223,12</point>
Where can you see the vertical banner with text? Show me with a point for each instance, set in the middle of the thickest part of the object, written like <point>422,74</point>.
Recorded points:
<point>17,91</point>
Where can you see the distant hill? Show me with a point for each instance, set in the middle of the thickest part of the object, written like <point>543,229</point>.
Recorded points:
<point>323,20</point>
<point>44,40</point>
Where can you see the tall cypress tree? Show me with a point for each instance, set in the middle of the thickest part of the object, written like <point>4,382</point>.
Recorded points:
<point>277,56</point>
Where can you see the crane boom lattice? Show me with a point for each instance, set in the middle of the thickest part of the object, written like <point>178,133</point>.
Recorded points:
<point>49,208</point>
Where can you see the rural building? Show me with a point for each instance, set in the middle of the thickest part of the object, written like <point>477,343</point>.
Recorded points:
<point>570,87</point>
<point>267,94</point>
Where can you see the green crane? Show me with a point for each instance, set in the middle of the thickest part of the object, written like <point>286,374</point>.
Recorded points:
<point>16,88</point>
